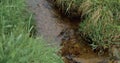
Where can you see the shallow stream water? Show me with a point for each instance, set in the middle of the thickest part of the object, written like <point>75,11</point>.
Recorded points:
<point>59,30</point>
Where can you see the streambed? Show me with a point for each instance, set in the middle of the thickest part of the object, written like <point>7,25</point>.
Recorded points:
<point>59,30</point>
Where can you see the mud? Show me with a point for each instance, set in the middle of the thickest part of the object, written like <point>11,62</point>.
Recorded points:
<point>60,30</point>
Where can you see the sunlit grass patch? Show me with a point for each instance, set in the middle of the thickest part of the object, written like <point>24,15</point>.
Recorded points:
<point>22,49</point>
<point>16,43</point>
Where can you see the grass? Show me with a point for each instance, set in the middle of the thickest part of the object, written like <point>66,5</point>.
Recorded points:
<point>100,23</point>
<point>100,20</point>
<point>16,45</point>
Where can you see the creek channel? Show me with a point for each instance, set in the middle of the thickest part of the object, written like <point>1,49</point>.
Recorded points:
<point>59,30</point>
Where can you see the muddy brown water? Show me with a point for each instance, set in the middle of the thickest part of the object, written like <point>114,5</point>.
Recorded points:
<point>60,30</point>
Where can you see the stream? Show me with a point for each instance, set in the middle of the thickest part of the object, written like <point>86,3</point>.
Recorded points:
<point>59,30</point>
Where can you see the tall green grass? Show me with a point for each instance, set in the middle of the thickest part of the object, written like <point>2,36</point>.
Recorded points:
<point>100,23</point>
<point>16,45</point>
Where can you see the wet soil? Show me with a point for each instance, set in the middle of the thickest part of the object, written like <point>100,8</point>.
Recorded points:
<point>60,30</point>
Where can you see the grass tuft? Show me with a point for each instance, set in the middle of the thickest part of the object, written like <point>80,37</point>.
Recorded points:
<point>16,45</point>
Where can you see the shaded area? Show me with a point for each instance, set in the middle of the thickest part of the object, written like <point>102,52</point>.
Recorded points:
<point>76,50</point>
<point>60,30</point>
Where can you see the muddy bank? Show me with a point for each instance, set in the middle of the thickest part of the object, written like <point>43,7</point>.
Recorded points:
<point>60,30</point>
<point>76,50</point>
